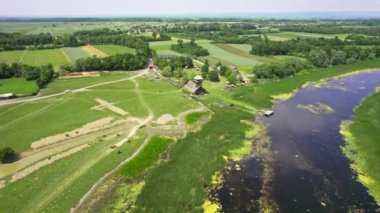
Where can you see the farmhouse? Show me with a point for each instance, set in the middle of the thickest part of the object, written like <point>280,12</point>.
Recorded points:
<point>195,86</point>
<point>6,96</point>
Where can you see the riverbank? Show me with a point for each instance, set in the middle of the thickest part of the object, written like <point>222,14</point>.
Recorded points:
<point>363,148</point>
<point>261,95</point>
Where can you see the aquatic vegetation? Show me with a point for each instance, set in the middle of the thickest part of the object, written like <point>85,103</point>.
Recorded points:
<point>318,109</point>
<point>211,207</point>
<point>284,96</point>
<point>125,197</point>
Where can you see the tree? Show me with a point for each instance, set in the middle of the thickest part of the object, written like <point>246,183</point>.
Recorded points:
<point>319,58</point>
<point>7,155</point>
<point>167,71</point>
<point>205,67</point>
<point>180,43</point>
<point>154,34</point>
<point>192,42</point>
<point>213,76</point>
<point>223,70</point>
<point>46,75</point>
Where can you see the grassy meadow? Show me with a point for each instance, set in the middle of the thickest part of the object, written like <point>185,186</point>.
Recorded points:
<point>55,57</point>
<point>178,184</point>
<point>52,116</point>
<point>363,148</point>
<point>50,190</point>
<point>41,57</point>
<point>283,36</point>
<point>12,56</point>
<point>58,28</point>
<point>147,157</point>
<point>115,49</point>
<point>18,86</point>
<point>75,53</point>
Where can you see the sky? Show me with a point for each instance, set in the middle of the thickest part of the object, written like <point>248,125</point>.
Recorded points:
<point>71,8</point>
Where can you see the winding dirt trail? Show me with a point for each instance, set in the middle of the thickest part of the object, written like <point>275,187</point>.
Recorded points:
<point>47,198</point>
<point>132,132</point>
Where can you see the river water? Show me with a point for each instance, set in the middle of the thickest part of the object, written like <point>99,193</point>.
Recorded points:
<point>311,173</point>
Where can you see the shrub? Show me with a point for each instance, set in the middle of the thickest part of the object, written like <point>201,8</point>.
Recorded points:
<point>7,155</point>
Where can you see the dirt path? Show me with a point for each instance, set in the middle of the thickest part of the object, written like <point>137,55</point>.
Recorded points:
<point>103,104</point>
<point>36,155</point>
<point>25,172</point>
<point>31,99</point>
<point>66,56</point>
<point>23,56</point>
<point>120,143</point>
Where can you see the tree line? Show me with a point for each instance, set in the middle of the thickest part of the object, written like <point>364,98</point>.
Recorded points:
<point>280,69</point>
<point>321,52</point>
<point>41,74</point>
<point>125,61</point>
<point>18,41</point>
<point>190,48</point>
<point>333,29</point>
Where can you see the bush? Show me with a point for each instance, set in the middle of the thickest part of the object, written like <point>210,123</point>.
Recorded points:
<point>213,76</point>
<point>280,69</point>
<point>7,155</point>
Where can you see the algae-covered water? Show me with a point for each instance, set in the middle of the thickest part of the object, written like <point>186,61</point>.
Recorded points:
<point>308,170</point>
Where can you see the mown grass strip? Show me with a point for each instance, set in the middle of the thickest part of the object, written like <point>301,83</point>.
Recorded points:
<point>150,154</point>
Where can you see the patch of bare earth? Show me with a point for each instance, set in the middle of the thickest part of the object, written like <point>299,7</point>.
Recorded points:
<point>103,104</point>
<point>25,172</point>
<point>88,128</point>
<point>53,147</point>
<point>164,119</point>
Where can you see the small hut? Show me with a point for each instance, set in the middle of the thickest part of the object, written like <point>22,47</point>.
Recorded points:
<point>195,86</point>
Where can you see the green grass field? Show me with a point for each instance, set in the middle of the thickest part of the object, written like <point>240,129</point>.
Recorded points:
<point>150,154</point>
<point>58,28</point>
<point>232,55</point>
<point>42,57</point>
<point>115,49</point>
<point>11,56</point>
<point>283,36</point>
<point>194,117</point>
<point>178,185</point>
<point>162,97</point>
<point>55,115</point>
<point>75,53</point>
<point>50,189</point>
<point>60,85</point>
<point>363,146</point>
<point>18,86</point>
<point>164,45</point>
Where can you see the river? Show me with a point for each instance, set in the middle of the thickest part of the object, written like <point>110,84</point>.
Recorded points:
<point>310,171</point>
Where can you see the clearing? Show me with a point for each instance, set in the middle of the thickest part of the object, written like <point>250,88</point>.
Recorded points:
<point>115,49</point>
<point>18,86</point>
<point>93,51</point>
